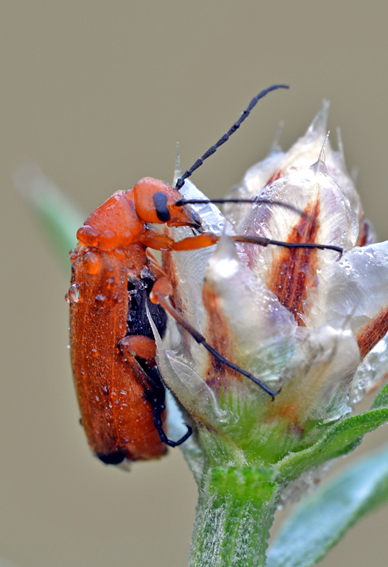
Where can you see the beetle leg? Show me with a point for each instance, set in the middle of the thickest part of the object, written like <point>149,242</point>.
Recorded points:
<point>193,242</point>
<point>158,408</point>
<point>208,239</point>
<point>154,265</point>
<point>139,346</point>
<point>154,392</point>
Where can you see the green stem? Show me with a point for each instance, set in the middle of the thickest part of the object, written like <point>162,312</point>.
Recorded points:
<point>234,514</point>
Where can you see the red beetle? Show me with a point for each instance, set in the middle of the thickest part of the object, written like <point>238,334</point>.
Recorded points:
<point>112,347</point>
<point>119,389</point>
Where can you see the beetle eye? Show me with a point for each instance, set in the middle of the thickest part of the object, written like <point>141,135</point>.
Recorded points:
<point>160,202</point>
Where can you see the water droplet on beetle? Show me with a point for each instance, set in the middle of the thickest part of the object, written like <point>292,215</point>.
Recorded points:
<point>73,295</point>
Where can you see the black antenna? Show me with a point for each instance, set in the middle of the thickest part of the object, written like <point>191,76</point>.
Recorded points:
<point>253,201</point>
<point>226,136</point>
<point>263,241</point>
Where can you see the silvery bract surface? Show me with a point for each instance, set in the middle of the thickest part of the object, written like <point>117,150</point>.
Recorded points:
<point>309,322</point>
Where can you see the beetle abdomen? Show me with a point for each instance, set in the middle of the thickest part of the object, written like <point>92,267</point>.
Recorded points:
<point>117,418</point>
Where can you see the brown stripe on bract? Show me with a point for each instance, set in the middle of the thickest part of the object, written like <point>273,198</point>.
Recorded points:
<point>364,234</point>
<point>170,268</point>
<point>294,271</point>
<point>372,332</point>
<point>169,264</point>
<point>220,337</point>
<point>274,177</point>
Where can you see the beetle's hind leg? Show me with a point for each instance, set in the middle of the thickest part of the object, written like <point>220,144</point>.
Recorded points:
<point>140,351</point>
<point>158,407</point>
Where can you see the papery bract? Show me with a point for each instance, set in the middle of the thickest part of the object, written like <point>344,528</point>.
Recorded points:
<point>300,320</point>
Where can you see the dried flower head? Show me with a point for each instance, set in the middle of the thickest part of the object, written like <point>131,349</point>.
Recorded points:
<point>303,321</point>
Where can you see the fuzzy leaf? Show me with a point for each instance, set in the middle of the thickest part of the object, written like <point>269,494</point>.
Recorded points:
<point>339,440</point>
<point>382,399</point>
<point>58,216</point>
<point>321,520</point>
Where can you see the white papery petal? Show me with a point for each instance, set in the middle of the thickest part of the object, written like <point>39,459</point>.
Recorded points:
<point>306,151</point>
<point>186,269</point>
<point>298,319</point>
<point>308,148</point>
<point>186,384</point>
<point>336,167</point>
<point>261,331</point>
<point>317,380</point>
<point>371,372</point>
<point>255,179</point>
<point>336,224</point>
<point>355,287</point>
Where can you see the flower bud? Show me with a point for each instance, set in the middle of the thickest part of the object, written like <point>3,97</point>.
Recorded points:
<point>302,321</point>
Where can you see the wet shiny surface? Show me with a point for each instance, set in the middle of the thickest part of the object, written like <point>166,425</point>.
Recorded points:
<point>79,99</point>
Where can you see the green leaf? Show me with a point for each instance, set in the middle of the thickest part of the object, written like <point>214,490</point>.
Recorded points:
<point>339,440</point>
<point>381,399</point>
<point>57,215</point>
<point>321,520</point>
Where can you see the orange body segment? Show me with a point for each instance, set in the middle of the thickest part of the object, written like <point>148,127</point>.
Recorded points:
<point>117,418</point>
<point>112,225</point>
<point>138,345</point>
<point>145,196</point>
<point>161,290</point>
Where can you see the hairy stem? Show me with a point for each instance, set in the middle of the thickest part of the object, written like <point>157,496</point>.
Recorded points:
<point>234,514</point>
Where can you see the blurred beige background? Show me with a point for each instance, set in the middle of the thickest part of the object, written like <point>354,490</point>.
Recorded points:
<point>98,93</point>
